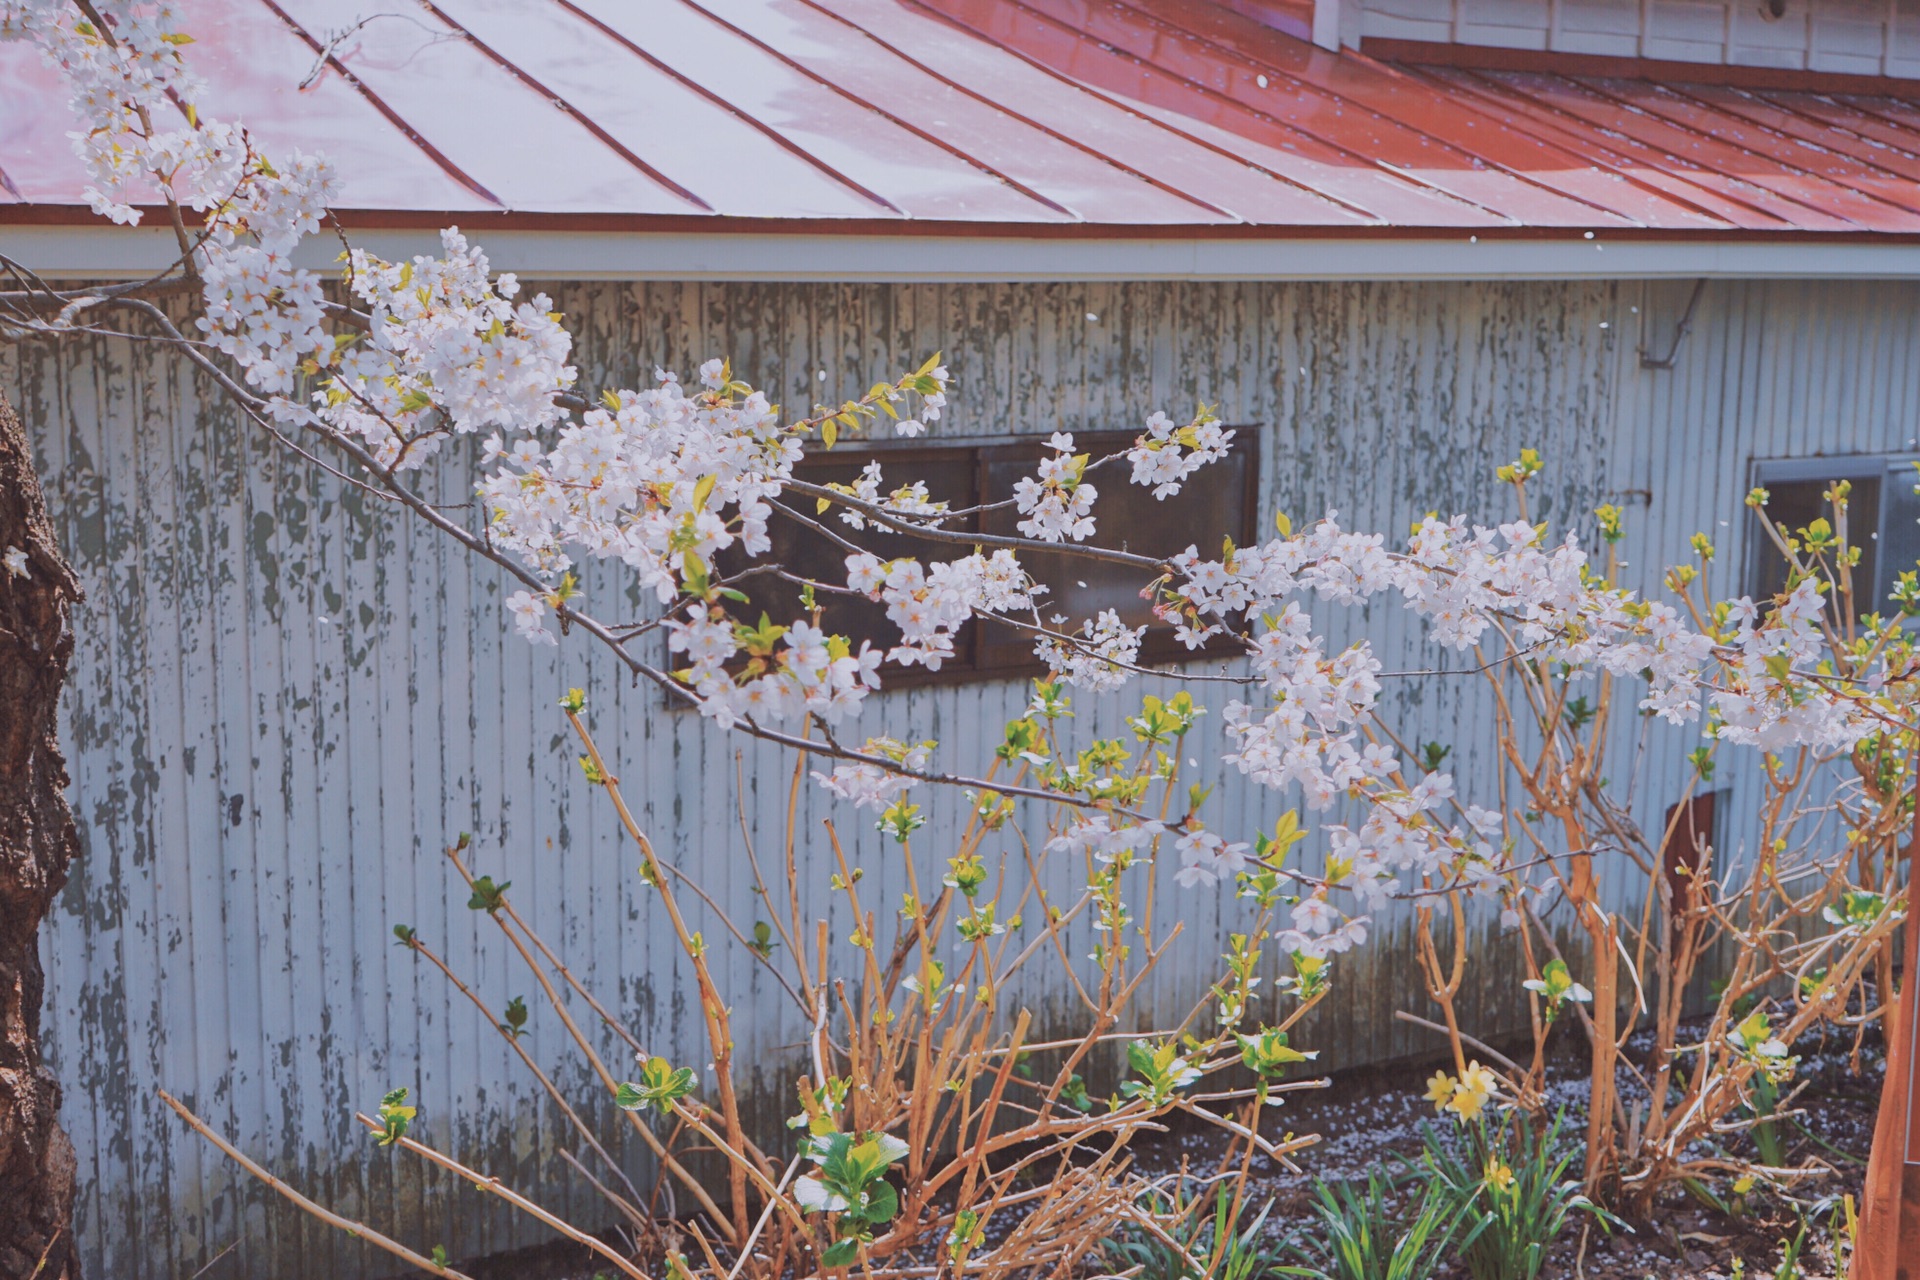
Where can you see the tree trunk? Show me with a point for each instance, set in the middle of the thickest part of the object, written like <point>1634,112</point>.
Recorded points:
<point>37,842</point>
<point>1888,1247</point>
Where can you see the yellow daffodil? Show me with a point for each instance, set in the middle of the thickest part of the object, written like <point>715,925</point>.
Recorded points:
<point>1471,1093</point>
<point>1467,1104</point>
<point>1479,1079</point>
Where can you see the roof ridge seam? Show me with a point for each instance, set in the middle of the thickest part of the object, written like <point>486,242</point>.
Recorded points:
<point>1618,164</point>
<point>882,112</point>
<point>1681,92</point>
<point>1796,170</point>
<point>1404,175</point>
<point>586,121</point>
<point>1155,121</point>
<point>1688,169</point>
<point>386,109</point>
<point>1029,121</point>
<point>779,139</point>
<point>1518,175</point>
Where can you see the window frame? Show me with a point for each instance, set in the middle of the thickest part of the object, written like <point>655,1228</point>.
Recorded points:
<point>891,452</point>
<point>1827,468</point>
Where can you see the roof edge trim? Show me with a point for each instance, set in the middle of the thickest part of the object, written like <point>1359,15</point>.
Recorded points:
<point>79,218</point>
<point>120,253</point>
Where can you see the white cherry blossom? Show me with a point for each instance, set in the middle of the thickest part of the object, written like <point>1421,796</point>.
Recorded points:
<point>1099,657</point>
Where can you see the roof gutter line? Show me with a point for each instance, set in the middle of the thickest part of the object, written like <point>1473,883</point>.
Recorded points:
<point>811,254</point>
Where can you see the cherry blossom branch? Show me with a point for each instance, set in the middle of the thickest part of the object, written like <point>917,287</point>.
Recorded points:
<point>881,514</point>
<point>256,409</point>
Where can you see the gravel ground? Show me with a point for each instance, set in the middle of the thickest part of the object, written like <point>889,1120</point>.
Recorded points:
<point>1370,1117</point>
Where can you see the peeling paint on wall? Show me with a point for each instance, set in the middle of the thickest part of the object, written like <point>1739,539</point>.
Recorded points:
<point>286,700</point>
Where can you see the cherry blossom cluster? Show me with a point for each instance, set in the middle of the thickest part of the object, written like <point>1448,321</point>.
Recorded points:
<point>1206,859</point>
<point>1462,579</point>
<point>910,499</point>
<point>645,480</point>
<point>1171,452</point>
<point>929,603</point>
<point>664,481</point>
<point>260,310</point>
<point>1105,839</point>
<point>1403,835</point>
<point>1308,735</point>
<point>1469,581</point>
<point>931,407</point>
<point>1340,565</point>
<point>1761,706</point>
<point>125,82</point>
<point>1056,502</point>
<point>1100,658</point>
<point>448,349</point>
<point>530,618</point>
<point>788,671</point>
<point>868,786</point>
<point>1312,736</point>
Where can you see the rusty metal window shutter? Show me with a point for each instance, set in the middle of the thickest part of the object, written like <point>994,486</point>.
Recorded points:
<point>1221,501</point>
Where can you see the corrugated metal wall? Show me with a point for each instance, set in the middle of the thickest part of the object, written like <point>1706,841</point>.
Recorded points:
<point>286,699</point>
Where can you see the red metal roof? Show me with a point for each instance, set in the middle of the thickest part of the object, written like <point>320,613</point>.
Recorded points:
<point>1048,116</point>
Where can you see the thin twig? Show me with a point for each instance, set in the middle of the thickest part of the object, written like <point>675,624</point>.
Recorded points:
<point>1481,1045</point>
<point>325,1215</point>
<point>235,1244</point>
<point>493,1185</point>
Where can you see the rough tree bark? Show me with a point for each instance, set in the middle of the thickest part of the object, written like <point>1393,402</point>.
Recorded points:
<point>37,842</point>
<point>1889,1244</point>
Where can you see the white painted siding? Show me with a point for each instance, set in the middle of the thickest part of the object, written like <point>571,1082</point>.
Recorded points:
<point>1861,37</point>
<point>286,700</point>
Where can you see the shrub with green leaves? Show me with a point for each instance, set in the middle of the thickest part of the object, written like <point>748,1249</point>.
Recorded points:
<point>661,1084</point>
<point>850,1183</point>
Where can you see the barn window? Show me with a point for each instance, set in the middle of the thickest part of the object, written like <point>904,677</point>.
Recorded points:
<point>1883,520</point>
<point>1218,502</point>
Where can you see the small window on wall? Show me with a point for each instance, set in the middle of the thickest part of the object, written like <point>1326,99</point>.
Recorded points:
<point>1883,521</point>
<point>1219,501</point>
